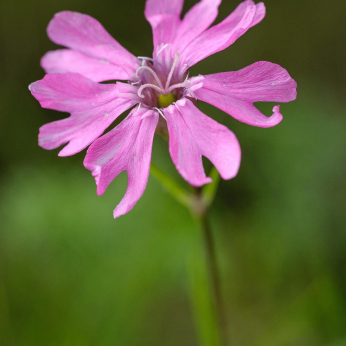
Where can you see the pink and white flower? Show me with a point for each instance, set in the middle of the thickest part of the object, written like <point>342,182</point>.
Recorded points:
<point>159,90</point>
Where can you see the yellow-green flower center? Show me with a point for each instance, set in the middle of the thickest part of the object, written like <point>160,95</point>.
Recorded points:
<point>166,100</point>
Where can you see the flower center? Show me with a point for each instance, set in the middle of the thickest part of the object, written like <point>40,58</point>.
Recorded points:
<point>159,91</point>
<point>166,100</point>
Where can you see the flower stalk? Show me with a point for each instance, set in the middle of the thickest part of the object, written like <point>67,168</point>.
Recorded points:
<point>213,272</point>
<point>206,292</point>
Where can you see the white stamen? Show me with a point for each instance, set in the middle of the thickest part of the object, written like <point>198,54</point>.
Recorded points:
<point>175,63</point>
<point>153,86</point>
<point>192,93</point>
<point>175,104</point>
<point>135,83</point>
<point>139,107</point>
<point>144,58</point>
<point>159,110</point>
<point>162,49</point>
<point>179,85</point>
<point>152,72</point>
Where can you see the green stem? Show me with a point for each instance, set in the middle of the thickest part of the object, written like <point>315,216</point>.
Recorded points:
<point>206,288</point>
<point>214,277</point>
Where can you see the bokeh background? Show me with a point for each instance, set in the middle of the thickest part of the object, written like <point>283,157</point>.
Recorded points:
<point>70,275</point>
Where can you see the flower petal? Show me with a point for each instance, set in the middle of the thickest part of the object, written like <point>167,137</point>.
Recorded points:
<point>85,34</point>
<point>260,13</point>
<point>155,8</point>
<point>192,135</point>
<point>222,35</point>
<point>164,18</point>
<point>196,20</point>
<point>67,60</point>
<point>93,108</point>
<point>126,148</point>
<point>236,92</point>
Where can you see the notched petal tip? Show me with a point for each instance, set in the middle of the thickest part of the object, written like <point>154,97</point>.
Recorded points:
<point>295,91</point>
<point>274,119</point>
<point>194,135</point>
<point>206,181</point>
<point>57,16</point>
<point>66,14</point>
<point>33,86</point>
<point>260,13</point>
<point>236,93</point>
<point>96,171</point>
<point>125,148</point>
<point>67,151</point>
<point>119,212</point>
<point>201,181</point>
<point>276,112</point>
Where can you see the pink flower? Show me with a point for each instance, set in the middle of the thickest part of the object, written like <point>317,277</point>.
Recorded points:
<point>161,89</point>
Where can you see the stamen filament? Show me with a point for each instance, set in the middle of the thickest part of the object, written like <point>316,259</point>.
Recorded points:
<point>175,86</point>
<point>175,63</point>
<point>161,113</point>
<point>176,105</point>
<point>145,58</point>
<point>191,93</point>
<point>162,49</point>
<point>135,83</point>
<point>147,68</point>
<point>153,86</point>
<point>139,107</point>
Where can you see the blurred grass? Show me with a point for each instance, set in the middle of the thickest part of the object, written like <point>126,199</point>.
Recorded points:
<point>71,275</point>
<point>84,274</point>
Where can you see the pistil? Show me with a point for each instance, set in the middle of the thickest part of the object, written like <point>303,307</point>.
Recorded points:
<point>166,100</point>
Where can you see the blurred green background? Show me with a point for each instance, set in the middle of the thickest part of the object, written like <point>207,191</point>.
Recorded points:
<point>71,275</point>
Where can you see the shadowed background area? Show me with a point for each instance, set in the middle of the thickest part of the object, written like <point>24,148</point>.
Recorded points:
<point>71,275</point>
